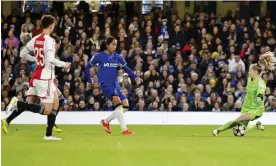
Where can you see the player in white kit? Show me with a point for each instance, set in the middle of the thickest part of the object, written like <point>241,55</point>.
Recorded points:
<point>32,93</point>
<point>41,84</point>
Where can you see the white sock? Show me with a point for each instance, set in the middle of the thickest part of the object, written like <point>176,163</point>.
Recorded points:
<point>125,110</point>
<point>121,118</point>
<point>112,116</point>
<point>119,114</point>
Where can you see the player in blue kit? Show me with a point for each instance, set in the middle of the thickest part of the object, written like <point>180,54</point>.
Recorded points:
<point>108,63</point>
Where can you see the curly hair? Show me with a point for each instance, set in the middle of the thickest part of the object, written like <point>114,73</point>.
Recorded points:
<point>266,62</point>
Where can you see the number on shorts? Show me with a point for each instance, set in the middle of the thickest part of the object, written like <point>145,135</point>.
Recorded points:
<point>39,54</point>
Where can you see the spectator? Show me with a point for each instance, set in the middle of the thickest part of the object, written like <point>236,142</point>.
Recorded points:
<point>22,66</point>
<point>236,64</point>
<point>28,23</point>
<point>182,91</point>
<point>25,32</point>
<point>3,106</point>
<point>81,17</point>
<point>164,29</point>
<point>272,105</point>
<point>9,56</point>
<point>91,102</point>
<point>20,83</point>
<point>201,106</point>
<point>81,56</point>
<point>82,106</point>
<point>238,105</point>
<point>176,37</point>
<point>15,41</point>
<point>66,56</point>
<point>204,55</point>
<point>94,41</point>
<point>67,19</point>
<point>216,107</point>
<point>190,86</point>
<point>13,50</point>
<point>126,82</point>
<point>141,105</point>
<point>37,29</point>
<point>5,30</point>
<point>194,104</point>
<point>229,105</point>
<point>96,106</point>
<point>182,102</point>
<point>185,107</point>
<point>98,96</point>
<point>154,106</point>
<point>15,26</point>
<point>67,35</point>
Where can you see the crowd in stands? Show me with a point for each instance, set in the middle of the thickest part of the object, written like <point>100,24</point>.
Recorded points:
<point>199,63</point>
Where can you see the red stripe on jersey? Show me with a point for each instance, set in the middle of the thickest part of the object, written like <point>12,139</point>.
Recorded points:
<point>39,54</point>
<point>32,82</point>
<point>37,72</point>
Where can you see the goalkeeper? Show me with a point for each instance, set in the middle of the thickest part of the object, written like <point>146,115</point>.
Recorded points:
<point>253,106</point>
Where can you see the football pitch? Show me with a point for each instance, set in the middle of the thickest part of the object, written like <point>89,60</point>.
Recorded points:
<point>89,145</point>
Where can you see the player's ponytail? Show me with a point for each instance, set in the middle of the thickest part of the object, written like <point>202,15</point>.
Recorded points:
<point>267,61</point>
<point>107,41</point>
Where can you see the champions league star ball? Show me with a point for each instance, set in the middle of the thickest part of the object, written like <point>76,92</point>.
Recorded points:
<point>239,130</point>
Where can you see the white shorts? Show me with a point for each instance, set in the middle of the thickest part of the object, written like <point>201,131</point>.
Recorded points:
<point>44,89</point>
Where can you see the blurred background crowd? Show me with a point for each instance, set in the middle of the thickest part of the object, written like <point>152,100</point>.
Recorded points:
<point>198,62</point>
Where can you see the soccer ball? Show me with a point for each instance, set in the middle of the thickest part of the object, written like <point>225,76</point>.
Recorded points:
<point>239,130</point>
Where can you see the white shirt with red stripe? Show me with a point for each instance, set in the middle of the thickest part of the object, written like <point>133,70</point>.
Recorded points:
<point>40,45</point>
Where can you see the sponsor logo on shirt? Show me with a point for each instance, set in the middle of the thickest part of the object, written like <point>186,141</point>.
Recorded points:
<point>110,65</point>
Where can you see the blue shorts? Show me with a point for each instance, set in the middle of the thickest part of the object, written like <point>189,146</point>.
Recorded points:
<point>112,89</point>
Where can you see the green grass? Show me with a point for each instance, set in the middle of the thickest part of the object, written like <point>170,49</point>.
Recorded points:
<point>89,145</point>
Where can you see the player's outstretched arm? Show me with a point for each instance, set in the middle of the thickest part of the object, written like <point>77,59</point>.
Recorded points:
<point>25,53</point>
<point>51,58</point>
<point>128,70</point>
